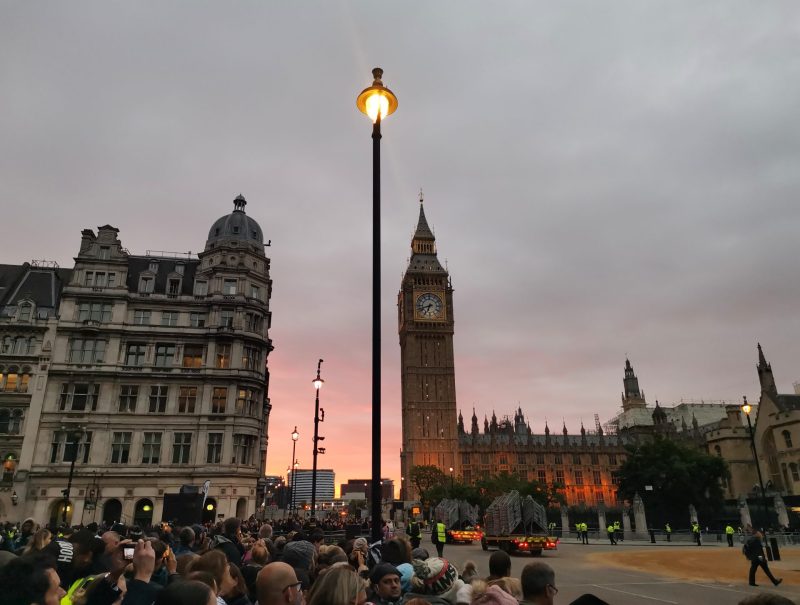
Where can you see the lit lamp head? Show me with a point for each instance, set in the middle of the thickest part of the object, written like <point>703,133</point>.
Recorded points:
<point>318,383</point>
<point>377,100</point>
<point>746,407</point>
<point>295,434</point>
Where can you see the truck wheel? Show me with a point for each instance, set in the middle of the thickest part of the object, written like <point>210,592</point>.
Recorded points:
<point>484,545</point>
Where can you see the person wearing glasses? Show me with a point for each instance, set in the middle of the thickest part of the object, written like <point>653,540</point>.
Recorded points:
<point>277,584</point>
<point>538,584</point>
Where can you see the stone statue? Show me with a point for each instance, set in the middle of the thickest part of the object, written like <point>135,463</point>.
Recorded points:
<point>744,513</point>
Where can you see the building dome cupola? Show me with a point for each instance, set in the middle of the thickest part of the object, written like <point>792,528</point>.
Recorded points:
<point>236,229</point>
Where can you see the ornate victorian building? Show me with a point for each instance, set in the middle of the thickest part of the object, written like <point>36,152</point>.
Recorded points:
<point>157,378</point>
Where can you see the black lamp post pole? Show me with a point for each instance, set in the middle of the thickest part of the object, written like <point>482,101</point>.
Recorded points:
<point>294,478</point>
<point>758,468</point>
<point>76,440</point>
<point>376,330</point>
<point>318,384</point>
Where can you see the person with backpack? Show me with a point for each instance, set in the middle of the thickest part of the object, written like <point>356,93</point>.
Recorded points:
<point>414,533</point>
<point>753,549</point>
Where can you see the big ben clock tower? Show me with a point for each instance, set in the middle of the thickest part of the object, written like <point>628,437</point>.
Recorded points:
<point>428,390</point>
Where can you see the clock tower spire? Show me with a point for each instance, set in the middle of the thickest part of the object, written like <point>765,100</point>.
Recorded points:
<point>427,368</point>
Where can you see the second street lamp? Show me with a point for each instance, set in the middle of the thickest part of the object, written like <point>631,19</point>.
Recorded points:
<point>295,437</point>
<point>317,385</point>
<point>747,408</point>
<point>377,102</point>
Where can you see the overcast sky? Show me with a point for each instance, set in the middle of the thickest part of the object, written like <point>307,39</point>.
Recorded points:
<point>603,178</point>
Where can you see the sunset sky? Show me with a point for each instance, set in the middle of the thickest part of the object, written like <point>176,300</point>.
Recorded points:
<point>603,178</point>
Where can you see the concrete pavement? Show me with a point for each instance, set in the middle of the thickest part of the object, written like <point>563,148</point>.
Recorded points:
<point>577,573</point>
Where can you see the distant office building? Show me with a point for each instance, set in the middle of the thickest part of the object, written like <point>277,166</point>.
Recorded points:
<point>355,486</point>
<point>302,479</point>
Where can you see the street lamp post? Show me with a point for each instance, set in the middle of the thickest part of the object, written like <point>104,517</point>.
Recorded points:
<point>377,102</point>
<point>295,437</point>
<point>317,386</point>
<point>747,408</point>
<point>452,480</point>
<point>76,436</point>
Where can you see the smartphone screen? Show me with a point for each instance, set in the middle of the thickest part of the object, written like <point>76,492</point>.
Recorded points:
<point>128,552</point>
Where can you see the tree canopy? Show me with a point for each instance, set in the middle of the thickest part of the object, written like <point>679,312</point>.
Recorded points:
<point>678,475</point>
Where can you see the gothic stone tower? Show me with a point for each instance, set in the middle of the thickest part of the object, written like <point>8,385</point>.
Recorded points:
<point>425,324</point>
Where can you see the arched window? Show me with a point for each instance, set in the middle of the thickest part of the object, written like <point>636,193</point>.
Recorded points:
<point>718,450</point>
<point>787,438</point>
<point>21,346</point>
<point>25,312</point>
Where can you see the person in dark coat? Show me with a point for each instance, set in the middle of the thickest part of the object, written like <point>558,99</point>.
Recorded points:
<point>754,551</point>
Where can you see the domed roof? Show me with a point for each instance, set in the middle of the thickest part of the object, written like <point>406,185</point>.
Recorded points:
<point>236,226</point>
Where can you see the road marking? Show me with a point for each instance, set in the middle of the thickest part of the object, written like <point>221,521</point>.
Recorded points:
<point>722,588</point>
<point>635,594</point>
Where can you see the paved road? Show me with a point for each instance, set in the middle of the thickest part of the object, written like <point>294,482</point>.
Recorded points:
<point>575,575</point>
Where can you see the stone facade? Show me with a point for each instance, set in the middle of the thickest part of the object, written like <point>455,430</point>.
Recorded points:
<point>158,375</point>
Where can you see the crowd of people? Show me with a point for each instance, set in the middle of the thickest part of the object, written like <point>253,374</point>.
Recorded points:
<point>238,562</point>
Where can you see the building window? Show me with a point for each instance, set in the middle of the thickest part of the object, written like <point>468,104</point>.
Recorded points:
<point>243,449</point>
<point>10,421</point>
<point>794,471</point>
<point>226,318</point>
<point>105,253</point>
<point>11,382</point>
<point>8,346</point>
<point>158,399</point>
<point>218,400</point>
<point>599,497</point>
<point>614,479</point>
<point>146,284</point>
<point>120,447</point>
<point>87,350</point>
<point>223,356</point>
<point>180,269</point>
<point>539,458</point>
<point>560,477</point>
<point>99,279</point>
<point>141,317</point>
<point>596,478</point>
<point>253,322</point>
<point>464,457</point>
<point>173,287</point>
<point>557,459</point>
<point>214,454</point>
<point>576,458</point>
<point>187,398</point>
<point>134,354</point>
<point>79,397</point>
<point>578,477</point>
<point>165,353</point>
<point>25,313</point>
<point>229,286</point>
<point>787,439</point>
<point>192,356</point>
<point>169,318</point>
<point>718,450</point>
<point>250,358</point>
<point>153,267</point>
<point>522,459</point>
<point>94,311</point>
<point>181,447</point>
<point>595,459</point>
<point>255,292</point>
<point>484,458</point>
<point>128,394</point>
<point>197,320</point>
<point>200,288</point>
<point>246,402</point>
<point>151,448</point>
<point>503,459</point>
<point>612,459</point>
<point>541,476</point>
<point>68,445</point>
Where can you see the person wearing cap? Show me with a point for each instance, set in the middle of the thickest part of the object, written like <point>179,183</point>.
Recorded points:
<point>384,585</point>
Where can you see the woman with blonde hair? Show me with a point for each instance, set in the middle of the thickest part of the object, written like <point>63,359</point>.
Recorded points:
<point>339,586</point>
<point>40,539</point>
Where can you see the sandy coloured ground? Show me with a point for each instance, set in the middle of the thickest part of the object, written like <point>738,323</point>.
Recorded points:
<point>701,564</point>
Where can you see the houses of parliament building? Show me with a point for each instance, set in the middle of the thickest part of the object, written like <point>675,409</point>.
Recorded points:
<point>434,431</point>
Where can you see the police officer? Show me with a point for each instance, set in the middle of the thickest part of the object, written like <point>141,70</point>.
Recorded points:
<point>696,531</point>
<point>729,534</point>
<point>610,529</point>
<point>668,531</point>
<point>414,533</point>
<point>439,537</point>
<point>618,531</point>
<point>585,533</point>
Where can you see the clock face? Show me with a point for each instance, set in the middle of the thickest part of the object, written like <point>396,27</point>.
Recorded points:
<point>429,306</point>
